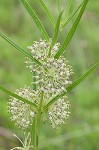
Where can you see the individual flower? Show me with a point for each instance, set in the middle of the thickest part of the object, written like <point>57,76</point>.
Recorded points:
<point>23,113</point>
<point>53,76</point>
<point>59,112</point>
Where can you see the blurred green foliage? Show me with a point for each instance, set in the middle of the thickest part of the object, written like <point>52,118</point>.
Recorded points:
<point>81,131</point>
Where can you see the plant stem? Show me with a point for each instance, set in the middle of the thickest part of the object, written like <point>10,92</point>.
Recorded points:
<point>39,113</point>
<point>34,135</point>
<point>34,130</point>
<point>49,52</point>
<point>36,124</point>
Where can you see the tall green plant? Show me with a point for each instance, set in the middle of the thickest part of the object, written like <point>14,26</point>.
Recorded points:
<point>51,73</point>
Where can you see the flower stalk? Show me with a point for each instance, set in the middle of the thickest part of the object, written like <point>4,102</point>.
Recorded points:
<point>36,123</point>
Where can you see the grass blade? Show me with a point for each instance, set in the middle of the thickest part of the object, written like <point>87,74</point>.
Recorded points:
<point>71,16</point>
<point>48,12</point>
<point>72,30</point>
<point>35,18</point>
<point>19,48</point>
<point>17,96</point>
<point>56,32</point>
<point>72,86</point>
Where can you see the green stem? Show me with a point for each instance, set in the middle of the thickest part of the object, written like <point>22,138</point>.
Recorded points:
<point>34,135</point>
<point>34,130</point>
<point>39,113</point>
<point>49,52</point>
<point>36,125</point>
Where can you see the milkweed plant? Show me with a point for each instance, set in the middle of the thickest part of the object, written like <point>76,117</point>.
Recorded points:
<point>51,73</point>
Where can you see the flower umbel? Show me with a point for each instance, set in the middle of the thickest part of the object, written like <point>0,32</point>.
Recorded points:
<point>23,113</point>
<point>54,75</point>
<point>59,112</point>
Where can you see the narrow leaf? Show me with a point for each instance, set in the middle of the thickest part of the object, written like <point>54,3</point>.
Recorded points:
<point>56,32</point>
<point>72,15</point>
<point>19,48</point>
<point>17,96</point>
<point>72,86</point>
<point>35,18</point>
<point>71,32</point>
<point>48,12</point>
<point>59,6</point>
<point>67,9</point>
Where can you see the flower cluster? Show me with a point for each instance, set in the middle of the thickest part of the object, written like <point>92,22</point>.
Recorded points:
<point>53,75</point>
<point>23,113</point>
<point>59,112</point>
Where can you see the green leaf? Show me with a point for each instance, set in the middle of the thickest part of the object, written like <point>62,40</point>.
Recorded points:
<point>19,48</point>
<point>48,12</point>
<point>17,96</point>
<point>56,32</point>
<point>72,86</point>
<point>59,6</point>
<point>35,18</point>
<point>67,9</point>
<point>72,31</point>
<point>71,16</point>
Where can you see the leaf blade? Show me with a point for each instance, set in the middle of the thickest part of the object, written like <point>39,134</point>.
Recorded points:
<point>19,48</point>
<point>72,86</point>
<point>17,96</point>
<point>72,31</point>
<point>48,12</point>
<point>59,6</point>
<point>72,15</point>
<point>82,77</point>
<point>56,32</point>
<point>32,13</point>
<point>67,8</point>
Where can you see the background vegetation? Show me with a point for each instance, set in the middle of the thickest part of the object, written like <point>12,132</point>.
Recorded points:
<point>81,132</point>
